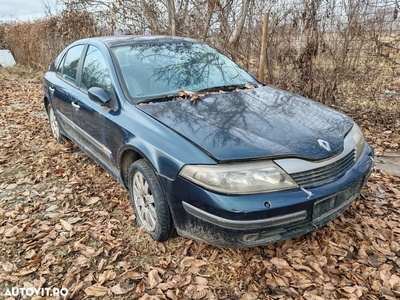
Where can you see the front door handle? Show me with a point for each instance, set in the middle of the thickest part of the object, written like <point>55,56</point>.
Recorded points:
<point>75,105</point>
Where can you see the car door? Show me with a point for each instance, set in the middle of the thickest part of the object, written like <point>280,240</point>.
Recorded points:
<point>95,122</point>
<point>62,87</point>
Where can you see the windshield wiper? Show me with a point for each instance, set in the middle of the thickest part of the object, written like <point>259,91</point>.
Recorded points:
<point>226,88</point>
<point>181,95</point>
<point>195,95</point>
<point>159,99</point>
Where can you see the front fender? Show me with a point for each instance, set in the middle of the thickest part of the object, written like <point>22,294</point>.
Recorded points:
<point>163,163</point>
<point>165,149</point>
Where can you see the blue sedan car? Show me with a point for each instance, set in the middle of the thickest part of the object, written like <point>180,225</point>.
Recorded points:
<point>204,149</point>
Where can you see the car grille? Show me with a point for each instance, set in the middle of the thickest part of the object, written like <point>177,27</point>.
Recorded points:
<point>325,174</point>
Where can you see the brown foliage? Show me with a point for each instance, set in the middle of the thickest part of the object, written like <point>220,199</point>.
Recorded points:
<point>36,44</point>
<point>64,222</point>
<point>344,54</point>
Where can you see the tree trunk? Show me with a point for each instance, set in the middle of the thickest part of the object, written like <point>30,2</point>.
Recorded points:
<point>171,16</point>
<point>235,36</point>
<point>150,14</point>
<point>211,8</point>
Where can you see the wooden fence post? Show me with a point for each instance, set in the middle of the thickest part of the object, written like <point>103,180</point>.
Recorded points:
<point>263,48</point>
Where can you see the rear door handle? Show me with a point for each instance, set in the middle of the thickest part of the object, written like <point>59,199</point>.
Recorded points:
<point>75,105</point>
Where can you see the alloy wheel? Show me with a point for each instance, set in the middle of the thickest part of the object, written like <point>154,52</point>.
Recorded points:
<point>144,202</point>
<point>55,129</point>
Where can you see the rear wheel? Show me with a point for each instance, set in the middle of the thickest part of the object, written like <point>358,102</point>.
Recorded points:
<point>54,125</point>
<point>148,201</point>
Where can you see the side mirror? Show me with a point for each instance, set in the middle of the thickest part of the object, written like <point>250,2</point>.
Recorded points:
<point>99,95</point>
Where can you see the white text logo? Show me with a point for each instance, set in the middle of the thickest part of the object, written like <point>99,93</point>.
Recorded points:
<point>47,292</point>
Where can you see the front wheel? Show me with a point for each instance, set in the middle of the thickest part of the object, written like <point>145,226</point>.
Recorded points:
<point>54,125</point>
<point>148,201</point>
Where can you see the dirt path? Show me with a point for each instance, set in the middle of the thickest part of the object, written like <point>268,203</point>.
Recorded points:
<point>389,162</point>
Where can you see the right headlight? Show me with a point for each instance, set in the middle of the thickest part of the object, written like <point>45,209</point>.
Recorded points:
<point>358,138</point>
<point>242,178</point>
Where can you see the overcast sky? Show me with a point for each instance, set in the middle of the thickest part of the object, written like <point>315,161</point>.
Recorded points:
<point>26,10</point>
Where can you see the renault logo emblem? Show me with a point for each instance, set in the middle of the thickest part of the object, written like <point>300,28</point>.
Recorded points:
<point>324,144</point>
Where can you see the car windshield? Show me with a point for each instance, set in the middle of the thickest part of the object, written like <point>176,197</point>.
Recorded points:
<point>152,71</point>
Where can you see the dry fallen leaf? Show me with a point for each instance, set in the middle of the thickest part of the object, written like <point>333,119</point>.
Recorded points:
<point>81,260</point>
<point>191,262</point>
<point>279,262</point>
<point>9,267</point>
<point>316,267</point>
<point>25,271</point>
<point>200,280</point>
<point>107,276</point>
<point>122,288</point>
<point>153,278</point>
<point>131,274</point>
<point>67,226</point>
<point>96,290</point>
<point>249,296</point>
<point>91,200</point>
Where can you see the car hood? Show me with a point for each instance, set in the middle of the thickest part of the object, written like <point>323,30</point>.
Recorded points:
<point>257,123</point>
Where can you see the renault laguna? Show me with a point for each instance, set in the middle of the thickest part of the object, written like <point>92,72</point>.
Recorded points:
<point>204,149</point>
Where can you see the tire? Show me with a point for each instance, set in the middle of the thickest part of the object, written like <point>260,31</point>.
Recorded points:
<point>148,201</point>
<point>54,125</point>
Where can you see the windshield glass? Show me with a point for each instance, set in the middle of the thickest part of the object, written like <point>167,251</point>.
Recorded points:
<point>157,70</point>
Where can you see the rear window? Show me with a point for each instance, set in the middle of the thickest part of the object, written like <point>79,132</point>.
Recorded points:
<point>69,64</point>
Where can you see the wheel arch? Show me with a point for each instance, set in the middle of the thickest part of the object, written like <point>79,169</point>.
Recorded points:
<point>46,103</point>
<point>127,157</point>
<point>163,164</point>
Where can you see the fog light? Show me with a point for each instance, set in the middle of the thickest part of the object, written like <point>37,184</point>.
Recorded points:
<point>251,237</point>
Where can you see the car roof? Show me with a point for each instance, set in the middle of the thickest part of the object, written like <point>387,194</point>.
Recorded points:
<point>112,41</point>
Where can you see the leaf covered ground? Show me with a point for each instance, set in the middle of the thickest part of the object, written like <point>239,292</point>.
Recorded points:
<point>65,223</point>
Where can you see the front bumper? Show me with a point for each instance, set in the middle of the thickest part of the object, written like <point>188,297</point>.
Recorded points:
<point>251,220</point>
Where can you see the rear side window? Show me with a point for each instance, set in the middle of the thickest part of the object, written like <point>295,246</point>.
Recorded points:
<point>69,64</point>
<point>60,66</point>
<point>95,71</point>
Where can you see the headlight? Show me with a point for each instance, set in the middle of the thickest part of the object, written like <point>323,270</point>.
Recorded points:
<point>358,138</point>
<point>244,178</point>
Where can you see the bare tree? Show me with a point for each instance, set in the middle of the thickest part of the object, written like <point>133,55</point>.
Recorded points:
<point>51,8</point>
<point>172,16</point>
<point>235,36</point>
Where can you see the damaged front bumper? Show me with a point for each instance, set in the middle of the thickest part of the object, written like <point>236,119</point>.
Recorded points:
<point>251,220</point>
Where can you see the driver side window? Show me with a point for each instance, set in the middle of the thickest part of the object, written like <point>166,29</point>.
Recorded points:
<point>95,71</point>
